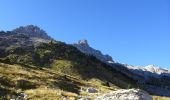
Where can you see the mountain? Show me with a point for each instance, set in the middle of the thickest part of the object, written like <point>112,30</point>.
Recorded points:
<point>151,78</point>
<point>32,31</point>
<point>32,61</point>
<point>84,47</point>
<point>149,71</point>
<point>24,36</point>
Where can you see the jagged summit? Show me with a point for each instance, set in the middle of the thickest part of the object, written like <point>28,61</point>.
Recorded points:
<point>154,79</point>
<point>29,46</point>
<point>84,47</point>
<point>83,42</point>
<point>149,71</point>
<point>32,31</point>
<point>24,36</point>
<point>155,69</point>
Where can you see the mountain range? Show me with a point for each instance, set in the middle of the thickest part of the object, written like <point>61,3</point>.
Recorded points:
<point>158,79</point>
<point>155,71</point>
<point>79,66</point>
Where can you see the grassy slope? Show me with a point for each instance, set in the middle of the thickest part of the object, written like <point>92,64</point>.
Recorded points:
<point>66,59</point>
<point>41,84</point>
<point>55,69</point>
<point>160,98</point>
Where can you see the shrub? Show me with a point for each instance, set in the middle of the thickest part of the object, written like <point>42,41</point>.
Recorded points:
<point>15,50</point>
<point>129,86</point>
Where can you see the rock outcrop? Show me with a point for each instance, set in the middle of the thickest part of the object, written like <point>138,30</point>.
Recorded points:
<point>84,47</point>
<point>91,90</point>
<point>147,71</point>
<point>24,35</point>
<point>148,76</point>
<point>122,94</point>
<point>32,31</point>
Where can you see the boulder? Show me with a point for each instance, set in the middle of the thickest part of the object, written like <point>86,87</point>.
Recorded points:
<point>91,90</point>
<point>125,94</point>
<point>21,96</point>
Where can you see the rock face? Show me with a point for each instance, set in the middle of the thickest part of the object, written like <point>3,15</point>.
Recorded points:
<point>24,35</point>
<point>84,47</point>
<point>122,94</point>
<point>83,43</point>
<point>148,76</point>
<point>147,71</point>
<point>32,31</point>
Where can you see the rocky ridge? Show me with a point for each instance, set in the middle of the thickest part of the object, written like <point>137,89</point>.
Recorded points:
<point>84,47</point>
<point>32,31</point>
<point>148,76</point>
<point>149,70</point>
<point>35,35</point>
<point>25,35</point>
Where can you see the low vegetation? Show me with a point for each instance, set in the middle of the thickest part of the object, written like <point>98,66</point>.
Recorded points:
<point>52,69</point>
<point>160,98</point>
<point>55,70</point>
<point>42,84</point>
<point>65,59</point>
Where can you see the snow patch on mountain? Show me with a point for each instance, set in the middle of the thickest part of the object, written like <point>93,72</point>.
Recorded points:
<point>149,71</point>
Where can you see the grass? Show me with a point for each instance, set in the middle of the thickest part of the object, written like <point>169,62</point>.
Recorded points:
<point>69,94</point>
<point>42,84</point>
<point>43,94</point>
<point>160,98</point>
<point>64,66</point>
<point>54,71</point>
<point>66,59</point>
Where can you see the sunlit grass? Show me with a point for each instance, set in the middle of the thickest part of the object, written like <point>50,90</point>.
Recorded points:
<point>43,84</point>
<point>160,98</point>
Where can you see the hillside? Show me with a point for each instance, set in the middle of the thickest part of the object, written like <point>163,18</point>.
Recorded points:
<point>38,65</point>
<point>152,79</point>
<point>33,63</point>
<point>43,83</point>
<point>60,57</point>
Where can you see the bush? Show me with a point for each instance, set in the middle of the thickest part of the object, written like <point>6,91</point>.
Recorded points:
<point>15,50</point>
<point>24,84</point>
<point>129,86</point>
<point>2,53</point>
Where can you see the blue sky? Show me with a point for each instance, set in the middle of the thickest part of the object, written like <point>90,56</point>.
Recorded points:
<point>136,32</point>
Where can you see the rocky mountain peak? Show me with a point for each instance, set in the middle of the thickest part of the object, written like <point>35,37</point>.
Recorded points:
<point>24,36</point>
<point>155,69</point>
<point>84,47</point>
<point>32,31</point>
<point>83,42</point>
<point>150,66</point>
